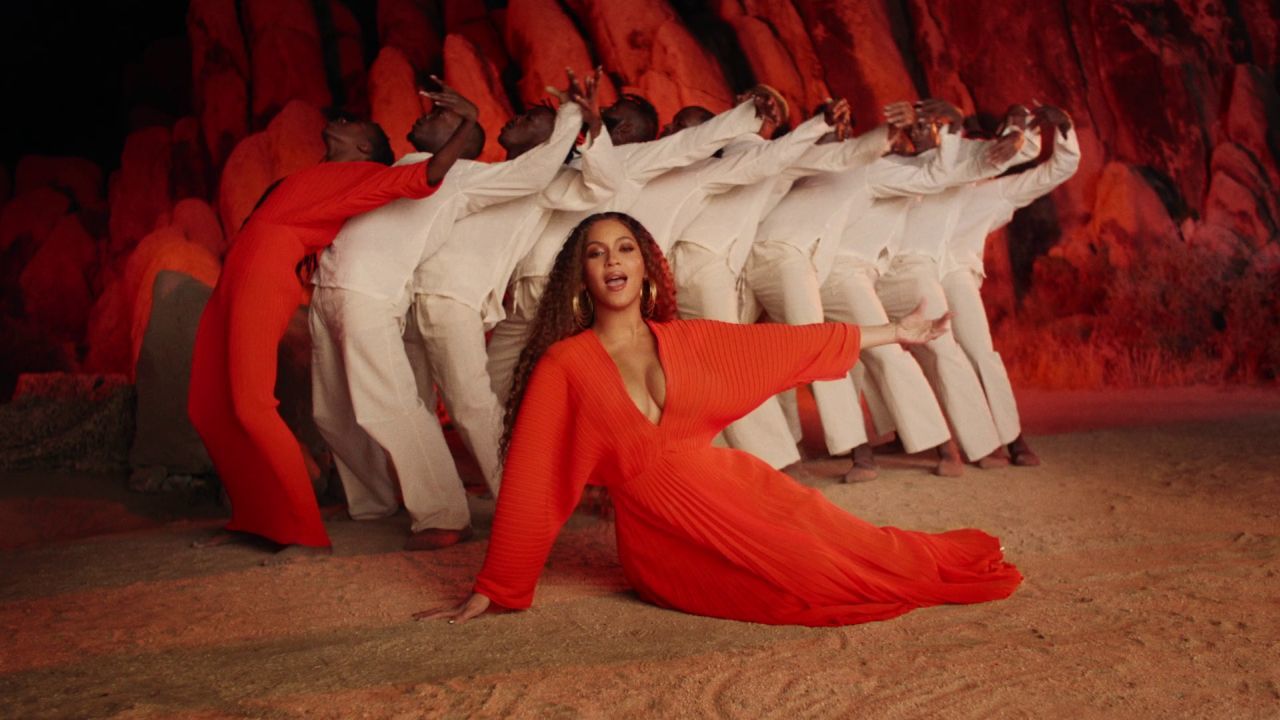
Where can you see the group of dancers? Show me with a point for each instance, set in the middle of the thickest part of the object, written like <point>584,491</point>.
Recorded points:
<point>853,247</point>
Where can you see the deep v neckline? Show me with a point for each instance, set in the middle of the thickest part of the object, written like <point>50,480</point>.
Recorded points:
<point>621,384</point>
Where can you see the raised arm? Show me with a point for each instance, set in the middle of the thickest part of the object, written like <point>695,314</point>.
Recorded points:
<point>765,159</point>
<point>375,189</point>
<point>529,173</point>
<point>598,178</point>
<point>647,160</point>
<point>1023,188</point>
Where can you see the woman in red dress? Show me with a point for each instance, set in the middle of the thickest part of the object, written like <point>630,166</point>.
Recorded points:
<point>232,400</point>
<point>612,391</point>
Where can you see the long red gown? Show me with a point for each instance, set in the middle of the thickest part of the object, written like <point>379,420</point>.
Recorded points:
<point>232,400</point>
<point>710,530</point>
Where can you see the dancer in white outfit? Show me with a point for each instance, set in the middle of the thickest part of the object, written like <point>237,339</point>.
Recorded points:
<point>914,277</point>
<point>632,124</point>
<point>458,290</point>
<point>985,208</point>
<point>708,255</point>
<point>365,395</point>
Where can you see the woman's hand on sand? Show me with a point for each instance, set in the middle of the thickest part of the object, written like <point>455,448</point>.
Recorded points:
<point>915,328</point>
<point>474,606</point>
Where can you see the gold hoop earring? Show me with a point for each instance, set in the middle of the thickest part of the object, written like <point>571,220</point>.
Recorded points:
<point>651,289</point>
<point>583,320</point>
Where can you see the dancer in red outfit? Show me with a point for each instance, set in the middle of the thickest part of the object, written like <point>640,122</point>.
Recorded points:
<point>633,402</point>
<point>233,373</point>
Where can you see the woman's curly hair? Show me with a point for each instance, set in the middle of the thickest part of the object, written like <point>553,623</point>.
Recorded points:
<point>555,319</point>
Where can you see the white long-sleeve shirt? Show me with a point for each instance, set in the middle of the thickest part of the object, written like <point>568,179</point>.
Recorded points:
<point>989,205</point>
<point>475,265</point>
<point>932,219</point>
<point>672,201</point>
<point>641,163</point>
<point>881,194</point>
<point>377,253</point>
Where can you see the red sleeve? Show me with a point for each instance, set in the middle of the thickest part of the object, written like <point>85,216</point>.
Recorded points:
<point>345,190</point>
<point>546,468</point>
<point>743,365</point>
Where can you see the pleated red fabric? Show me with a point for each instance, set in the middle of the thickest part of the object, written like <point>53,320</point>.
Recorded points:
<point>708,530</point>
<point>232,400</point>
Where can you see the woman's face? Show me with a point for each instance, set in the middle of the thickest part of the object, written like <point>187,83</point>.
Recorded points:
<point>613,266</point>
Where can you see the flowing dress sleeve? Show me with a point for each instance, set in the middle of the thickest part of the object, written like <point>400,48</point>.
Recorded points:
<point>744,365</point>
<point>550,459</point>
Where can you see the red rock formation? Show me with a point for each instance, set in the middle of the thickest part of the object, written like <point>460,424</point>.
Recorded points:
<point>856,46</point>
<point>219,75</point>
<point>140,193</point>
<point>110,322</point>
<point>165,249</point>
<point>291,142</point>
<point>55,283</point>
<point>544,41</point>
<point>471,21</point>
<point>350,49</point>
<point>475,77</point>
<point>189,173</point>
<point>79,177</point>
<point>199,223</point>
<point>777,46</point>
<point>287,60</point>
<point>393,97</point>
<point>30,216</point>
<point>645,43</point>
<point>406,25</point>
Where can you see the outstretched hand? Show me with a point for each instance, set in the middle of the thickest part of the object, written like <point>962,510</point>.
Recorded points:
<point>916,329</point>
<point>941,112</point>
<point>450,99</point>
<point>1052,116</point>
<point>767,106</point>
<point>900,114</point>
<point>587,95</point>
<point>472,607</point>
<point>1004,149</point>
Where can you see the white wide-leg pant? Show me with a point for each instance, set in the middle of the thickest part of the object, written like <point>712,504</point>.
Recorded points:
<point>367,407</point>
<point>706,288</point>
<point>973,332</point>
<point>849,295</point>
<point>910,280</point>
<point>450,340</point>
<point>783,280</point>
<point>510,336</point>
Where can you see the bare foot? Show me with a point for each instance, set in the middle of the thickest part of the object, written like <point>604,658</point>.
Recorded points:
<point>798,472</point>
<point>949,462</point>
<point>1021,454</point>
<point>221,537</point>
<point>993,461</point>
<point>296,553</point>
<point>437,538</point>
<point>864,465</point>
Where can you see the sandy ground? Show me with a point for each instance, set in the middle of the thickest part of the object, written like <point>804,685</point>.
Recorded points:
<point>1150,540</point>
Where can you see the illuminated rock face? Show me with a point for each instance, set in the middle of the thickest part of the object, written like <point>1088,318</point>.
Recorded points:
<point>1175,102</point>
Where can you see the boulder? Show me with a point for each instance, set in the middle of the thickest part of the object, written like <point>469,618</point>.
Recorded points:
<point>474,76</point>
<point>1252,118</point>
<point>777,45</point>
<point>219,75</point>
<point>189,173</point>
<point>77,177</point>
<point>290,143</point>
<point>140,193</point>
<point>199,223</point>
<point>286,54</point>
<point>55,282</point>
<point>646,45</point>
<point>350,50</point>
<point>393,97</point>
<point>855,42</point>
<point>169,250</point>
<point>164,437</point>
<point>406,26</point>
<point>67,421</point>
<point>30,216</point>
<point>543,41</point>
<point>107,335</point>
<point>1242,198</point>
